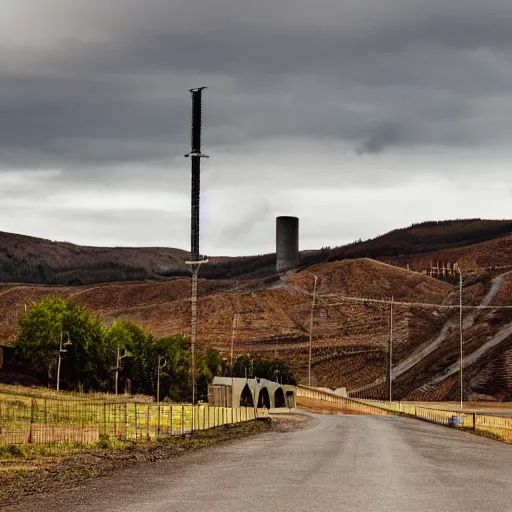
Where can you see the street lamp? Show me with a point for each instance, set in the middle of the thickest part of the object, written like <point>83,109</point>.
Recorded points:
<point>118,365</point>
<point>159,367</point>
<point>62,350</point>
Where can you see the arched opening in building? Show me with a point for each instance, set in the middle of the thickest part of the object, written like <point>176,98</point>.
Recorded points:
<point>264,398</point>
<point>290,401</point>
<point>279,398</point>
<point>246,399</point>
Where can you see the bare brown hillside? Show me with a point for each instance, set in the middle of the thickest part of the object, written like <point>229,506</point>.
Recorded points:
<point>490,254</point>
<point>273,317</point>
<point>26,259</point>
<point>350,336</point>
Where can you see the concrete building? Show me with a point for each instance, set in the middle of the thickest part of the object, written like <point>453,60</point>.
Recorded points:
<point>240,392</point>
<point>287,243</point>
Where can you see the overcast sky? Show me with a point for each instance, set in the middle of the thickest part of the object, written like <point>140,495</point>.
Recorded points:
<point>357,117</point>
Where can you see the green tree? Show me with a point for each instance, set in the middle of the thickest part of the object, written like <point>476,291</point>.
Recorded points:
<point>40,329</point>
<point>39,337</point>
<point>139,368</point>
<point>88,354</point>
<point>175,379</point>
<point>209,364</point>
<point>270,369</point>
<point>242,367</point>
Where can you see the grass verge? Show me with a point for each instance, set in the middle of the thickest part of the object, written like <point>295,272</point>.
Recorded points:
<point>30,469</point>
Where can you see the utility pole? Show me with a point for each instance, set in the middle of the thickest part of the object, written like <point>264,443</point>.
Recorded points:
<point>158,368</point>
<point>118,362</point>
<point>62,350</point>
<point>311,331</point>
<point>195,262</point>
<point>461,340</point>
<point>233,333</point>
<point>390,355</point>
<point>117,368</point>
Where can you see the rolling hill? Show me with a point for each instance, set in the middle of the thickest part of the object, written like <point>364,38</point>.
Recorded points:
<point>25,259</point>
<point>351,317</point>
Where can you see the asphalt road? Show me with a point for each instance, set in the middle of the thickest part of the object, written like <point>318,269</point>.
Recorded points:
<point>343,463</point>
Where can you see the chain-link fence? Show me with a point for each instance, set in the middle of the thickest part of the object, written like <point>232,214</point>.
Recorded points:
<point>51,421</point>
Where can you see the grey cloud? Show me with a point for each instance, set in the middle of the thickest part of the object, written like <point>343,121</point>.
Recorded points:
<point>122,97</point>
<point>98,91</point>
<point>381,137</point>
<point>245,221</point>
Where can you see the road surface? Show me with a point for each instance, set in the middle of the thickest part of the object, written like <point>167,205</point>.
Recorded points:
<point>342,463</point>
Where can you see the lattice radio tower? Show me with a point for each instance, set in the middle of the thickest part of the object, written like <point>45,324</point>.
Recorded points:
<point>195,259</point>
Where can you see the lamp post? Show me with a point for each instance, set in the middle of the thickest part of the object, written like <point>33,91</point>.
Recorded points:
<point>118,365</point>
<point>62,350</point>
<point>159,367</point>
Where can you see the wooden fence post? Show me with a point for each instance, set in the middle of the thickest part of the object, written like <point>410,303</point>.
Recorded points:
<point>135,413</point>
<point>32,412</point>
<point>126,420</point>
<point>105,418</point>
<point>148,419</point>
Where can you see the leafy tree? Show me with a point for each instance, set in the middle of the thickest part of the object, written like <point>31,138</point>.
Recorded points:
<point>208,365</point>
<point>242,367</point>
<point>88,353</point>
<point>91,358</point>
<point>271,369</point>
<point>139,367</point>
<point>174,377</point>
<point>39,337</point>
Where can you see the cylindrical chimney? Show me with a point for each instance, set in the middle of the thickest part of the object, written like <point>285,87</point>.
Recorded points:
<point>287,243</point>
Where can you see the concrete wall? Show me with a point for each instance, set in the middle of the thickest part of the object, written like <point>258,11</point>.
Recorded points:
<point>257,388</point>
<point>287,243</point>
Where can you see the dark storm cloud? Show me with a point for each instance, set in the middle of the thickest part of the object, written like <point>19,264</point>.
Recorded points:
<point>366,76</point>
<point>308,102</point>
<point>62,120</point>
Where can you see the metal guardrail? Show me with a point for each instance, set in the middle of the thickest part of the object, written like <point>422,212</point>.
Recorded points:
<point>500,426</point>
<point>330,400</point>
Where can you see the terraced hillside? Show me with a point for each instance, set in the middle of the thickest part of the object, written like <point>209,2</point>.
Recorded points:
<point>350,336</point>
<point>351,319</point>
<point>496,253</point>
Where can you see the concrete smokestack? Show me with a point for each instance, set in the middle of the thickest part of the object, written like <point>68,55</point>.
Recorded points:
<point>287,243</point>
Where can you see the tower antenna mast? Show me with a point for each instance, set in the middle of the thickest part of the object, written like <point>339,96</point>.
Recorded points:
<point>195,259</point>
